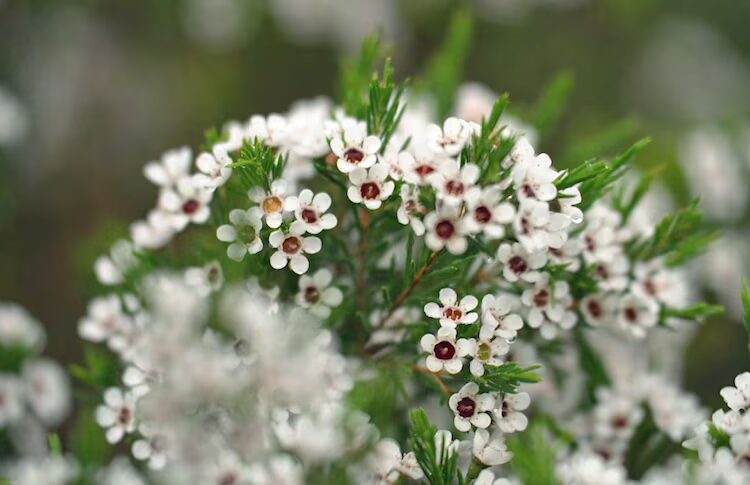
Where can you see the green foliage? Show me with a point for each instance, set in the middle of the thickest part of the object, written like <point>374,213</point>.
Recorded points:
<point>54,444</point>
<point>490,148</point>
<point>648,446</point>
<point>444,71</point>
<point>625,201</point>
<point>101,370</point>
<point>355,75</point>
<point>438,467</point>
<point>699,311</point>
<point>258,165</point>
<point>507,377</point>
<point>534,455</point>
<point>12,358</point>
<point>746,307</point>
<point>384,104</point>
<point>678,237</point>
<point>87,441</point>
<point>552,103</point>
<point>592,366</point>
<point>598,178</point>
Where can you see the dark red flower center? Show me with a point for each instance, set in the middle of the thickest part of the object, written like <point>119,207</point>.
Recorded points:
<point>291,245</point>
<point>123,417</point>
<point>444,350</point>
<point>631,314</point>
<point>453,313</point>
<point>541,298</point>
<point>309,215</point>
<point>424,170</point>
<point>518,265</point>
<point>594,308</point>
<point>369,190</point>
<point>482,214</point>
<point>454,187</point>
<point>445,229</point>
<point>190,206</point>
<point>528,191</point>
<point>466,407</point>
<point>354,155</point>
<point>312,294</point>
<point>619,422</point>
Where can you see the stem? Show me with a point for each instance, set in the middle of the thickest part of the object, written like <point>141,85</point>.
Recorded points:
<point>408,291</point>
<point>362,257</point>
<point>436,377</point>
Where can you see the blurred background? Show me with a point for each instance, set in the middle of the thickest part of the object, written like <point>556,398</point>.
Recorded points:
<point>91,90</point>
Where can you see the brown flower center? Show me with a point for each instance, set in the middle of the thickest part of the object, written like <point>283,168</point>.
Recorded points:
<point>518,265</point>
<point>541,298</point>
<point>424,170</point>
<point>291,245</point>
<point>466,407</point>
<point>454,187</point>
<point>445,229</point>
<point>369,190</point>
<point>309,215</point>
<point>482,215</point>
<point>453,313</point>
<point>594,308</point>
<point>354,155</point>
<point>312,294</point>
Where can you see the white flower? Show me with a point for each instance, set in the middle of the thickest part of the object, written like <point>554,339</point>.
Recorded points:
<point>587,468</point>
<point>486,213</point>
<point>205,279</point>
<point>47,390</point>
<point>635,315</point>
<point>173,167</point>
<point>243,234</point>
<point>452,312</point>
<point>105,320</point>
<point>151,447</point>
<point>421,168</point>
<point>654,280</point>
<point>272,130</point>
<point>370,186</point>
<point>520,264</point>
<point>187,202</point>
<point>291,247</point>
<point>486,477</point>
<point>41,470</point>
<point>602,235</point>
<point>317,295</point>
<point>214,167</point>
<point>508,415</point>
<point>534,179</point>
<point>453,182</point>
<point>278,470</point>
<point>489,349</point>
<point>445,352</point>
<point>11,400</point>
<point>411,210</point>
<point>537,228</point>
<point>311,211</point>
<point>597,309</point>
<point>273,203</point>
<point>615,418</point>
<point>738,397</point>
<point>471,408</point>
<point>612,275</point>
<point>451,138</point>
<point>111,269</point>
<point>18,328</point>
<point>490,450</point>
<point>567,255</point>
<point>497,318</point>
<point>388,463</point>
<point>154,232</point>
<point>548,306</point>
<point>117,414</point>
<point>355,149</point>
<point>445,230</point>
<point>445,445</point>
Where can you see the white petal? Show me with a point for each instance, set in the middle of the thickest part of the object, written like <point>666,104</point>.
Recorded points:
<point>226,233</point>
<point>278,260</point>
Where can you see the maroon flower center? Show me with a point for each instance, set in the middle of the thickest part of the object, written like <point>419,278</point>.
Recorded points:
<point>445,229</point>
<point>556,252</point>
<point>190,206</point>
<point>631,314</point>
<point>453,313</point>
<point>528,191</point>
<point>444,350</point>
<point>505,409</point>
<point>229,478</point>
<point>602,272</point>
<point>590,244</point>
<point>619,422</point>
<point>518,264</point>
<point>594,308</point>
<point>354,155</point>
<point>369,190</point>
<point>541,298</point>
<point>309,215</point>
<point>466,407</point>
<point>123,417</point>
<point>291,245</point>
<point>312,294</point>
<point>650,287</point>
<point>424,170</point>
<point>482,215</point>
<point>454,187</point>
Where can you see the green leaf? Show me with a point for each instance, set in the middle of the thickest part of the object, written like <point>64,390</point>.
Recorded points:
<point>699,311</point>
<point>54,444</point>
<point>438,468</point>
<point>552,103</point>
<point>445,69</point>
<point>354,77</point>
<point>384,109</point>
<point>534,455</point>
<point>507,377</point>
<point>592,365</point>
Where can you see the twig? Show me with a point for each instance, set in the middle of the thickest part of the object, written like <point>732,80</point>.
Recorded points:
<point>436,377</point>
<point>408,291</point>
